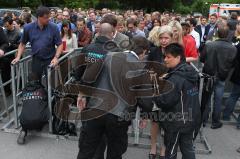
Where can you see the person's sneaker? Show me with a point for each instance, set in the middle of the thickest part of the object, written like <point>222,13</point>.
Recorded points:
<point>161,157</point>
<point>216,125</point>
<point>238,150</point>
<point>21,137</point>
<point>152,156</point>
<point>238,126</point>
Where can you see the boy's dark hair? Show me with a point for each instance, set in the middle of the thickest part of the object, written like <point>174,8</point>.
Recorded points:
<point>139,44</point>
<point>214,15</point>
<point>110,19</point>
<point>175,50</point>
<point>8,19</point>
<point>81,20</point>
<point>19,22</point>
<point>41,11</point>
<point>27,17</point>
<point>203,17</point>
<point>184,24</point>
<point>193,22</point>
<point>132,21</point>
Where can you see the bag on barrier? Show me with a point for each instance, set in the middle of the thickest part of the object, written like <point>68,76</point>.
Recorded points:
<point>60,123</point>
<point>60,126</point>
<point>35,112</point>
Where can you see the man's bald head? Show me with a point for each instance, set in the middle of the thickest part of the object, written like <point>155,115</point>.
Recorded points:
<point>106,30</point>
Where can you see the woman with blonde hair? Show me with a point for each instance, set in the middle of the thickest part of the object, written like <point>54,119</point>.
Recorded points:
<point>177,32</point>
<point>183,38</point>
<point>159,37</point>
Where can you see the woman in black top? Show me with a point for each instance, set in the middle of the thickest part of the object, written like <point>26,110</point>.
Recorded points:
<point>159,38</point>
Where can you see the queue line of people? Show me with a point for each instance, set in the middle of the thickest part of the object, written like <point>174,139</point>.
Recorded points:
<point>173,42</point>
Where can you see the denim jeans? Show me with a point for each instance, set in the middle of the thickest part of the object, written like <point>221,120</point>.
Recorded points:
<point>217,105</point>
<point>218,90</point>
<point>231,101</point>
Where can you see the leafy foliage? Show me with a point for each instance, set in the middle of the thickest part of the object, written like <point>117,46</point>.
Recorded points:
<point>182,6</point>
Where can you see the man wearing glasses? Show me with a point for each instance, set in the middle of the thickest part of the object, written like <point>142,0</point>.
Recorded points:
<point>66,16</point>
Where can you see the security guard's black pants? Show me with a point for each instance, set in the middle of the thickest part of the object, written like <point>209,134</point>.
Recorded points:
<point>92,134</point>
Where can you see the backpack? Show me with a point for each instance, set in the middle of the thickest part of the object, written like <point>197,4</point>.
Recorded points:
<point>61,126</point>
<point>35,112</point>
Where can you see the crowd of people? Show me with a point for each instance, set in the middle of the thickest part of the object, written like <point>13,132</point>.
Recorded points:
<point>170,39</point>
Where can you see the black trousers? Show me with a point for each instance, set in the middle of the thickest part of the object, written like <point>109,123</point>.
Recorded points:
<point>39,66</point>
<point>5,67</point>
<point>185,142</point>
<point>92,133</point>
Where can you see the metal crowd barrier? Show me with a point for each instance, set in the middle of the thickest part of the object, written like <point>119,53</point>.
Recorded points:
<point>2,85</point>
<point>7,105</point>
<point>19,74</point>
<point>55,75</point>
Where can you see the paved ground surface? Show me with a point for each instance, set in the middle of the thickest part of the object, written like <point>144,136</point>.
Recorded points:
<point>224,143</point>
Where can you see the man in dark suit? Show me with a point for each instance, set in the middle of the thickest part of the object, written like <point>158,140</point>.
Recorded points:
<point>91,22</point>
<point>203,30</point>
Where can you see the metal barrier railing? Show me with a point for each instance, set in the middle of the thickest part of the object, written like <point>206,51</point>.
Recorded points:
<point>19,77</point>
<point>7,106</point>
<point>59,72</point>
<point>19,73</point>
<point>2,85</point>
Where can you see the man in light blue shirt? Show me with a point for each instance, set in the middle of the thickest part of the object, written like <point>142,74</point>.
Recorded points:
<point>133,29</point>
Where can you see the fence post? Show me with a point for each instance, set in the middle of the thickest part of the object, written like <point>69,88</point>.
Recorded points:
<point>3,95</point>
<point>49,97</point>
<point>14,96</point>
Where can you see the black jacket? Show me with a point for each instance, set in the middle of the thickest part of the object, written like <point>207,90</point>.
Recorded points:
<point>199,30</point>
<point>236,73</point>
<point>155,54</point>
<point>232,23</point>
<point>218,57</point>
<point>182,101</point>
<point>92,56</point>
<point>89,26</point>
<point>3,40</point>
